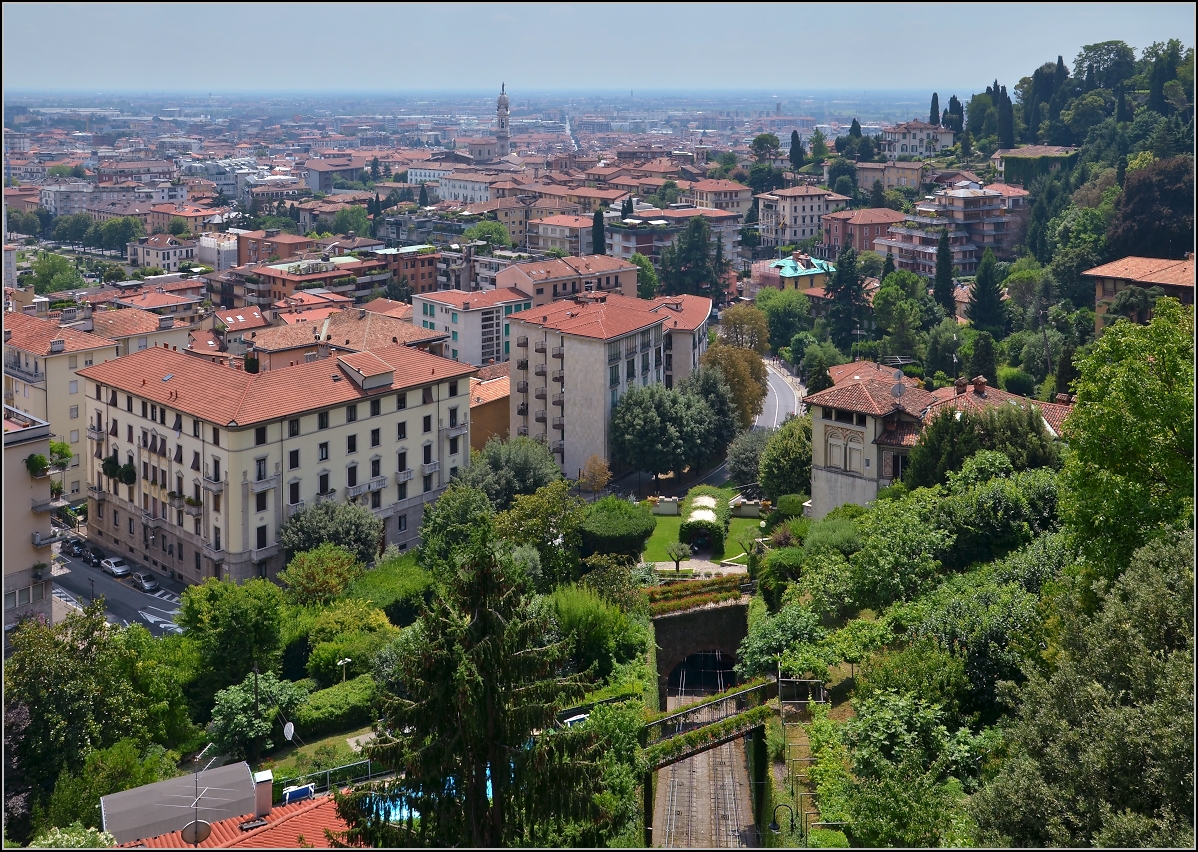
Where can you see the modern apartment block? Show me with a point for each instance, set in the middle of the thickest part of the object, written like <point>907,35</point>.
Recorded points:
<point>575,358</point>
<point>222,458</point>
<point>560,278</point>
<point>976,219</point>
<point>787,216</point>
<point>27,532</point>
<point>41,378</point>
<point>477,322</point>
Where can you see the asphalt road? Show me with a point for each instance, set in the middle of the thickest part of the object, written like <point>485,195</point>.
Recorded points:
<point>782,399</point>
<point>123,603</point>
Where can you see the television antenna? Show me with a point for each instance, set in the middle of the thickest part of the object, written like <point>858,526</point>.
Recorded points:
<point>198,830</point>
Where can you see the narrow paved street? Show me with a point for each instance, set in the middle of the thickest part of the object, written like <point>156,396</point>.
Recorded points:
<point>783,398</point>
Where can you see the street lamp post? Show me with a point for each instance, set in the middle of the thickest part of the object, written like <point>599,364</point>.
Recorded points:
<point>343,663</point>
<point>774,827</point>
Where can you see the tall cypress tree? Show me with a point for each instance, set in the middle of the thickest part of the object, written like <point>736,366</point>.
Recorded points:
<point>985,302</point>
<point>888,264</point>
<point>942,289</point>
<point>934,111</point>
<point>423,202</point>
<point>847,297</point>
<point>982,363</point>
<point>598,240</point>
<point>797,156</point>
<point>855,129</point>
<point>877,195</point>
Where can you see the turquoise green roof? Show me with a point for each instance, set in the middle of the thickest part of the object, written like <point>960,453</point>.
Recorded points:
<point>788,268</point>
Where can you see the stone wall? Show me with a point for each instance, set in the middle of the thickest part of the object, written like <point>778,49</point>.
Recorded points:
<point>680,634</point>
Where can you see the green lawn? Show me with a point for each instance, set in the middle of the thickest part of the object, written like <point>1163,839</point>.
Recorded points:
<point>292,759</point>
<point>667,531</point>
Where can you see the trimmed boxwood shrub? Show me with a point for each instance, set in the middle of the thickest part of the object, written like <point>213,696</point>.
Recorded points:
<point>341,707</point>
<point>616,526</point>
<point>714,531</point>
<point>791,505</point>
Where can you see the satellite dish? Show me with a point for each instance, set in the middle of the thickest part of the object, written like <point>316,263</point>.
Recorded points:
<point>288,731</point>
<point>196,831</point>
<point>898,375</point>
<point>898,390</point>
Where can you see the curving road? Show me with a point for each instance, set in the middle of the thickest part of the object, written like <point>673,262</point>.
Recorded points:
<point>783,398</point>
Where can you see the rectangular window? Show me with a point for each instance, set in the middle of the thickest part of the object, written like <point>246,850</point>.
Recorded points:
<point>261,537</point>
<point>375,437</point>
<point>401,522</point>
<point>351,475</point>
<point>216,498</point>
<point>322,451</point>
<point>453,417</point>
<point>322,420</point>
<point>376,499</point>
<point>453,445</point>
<point>401,430</point>
<point>614,375</point>
<point>260,501</point>
<point>215,436</point>
<point>195,428</point>
<point>402,461</point>
<point>401,401</point>
<point>73,387</point>
<point>428,423</point>
<point>428,483</point>
<point>259,469</point>
<point>453,388</point>
<point>323,483</point>
<point>351,443</point>
<point>428,453</point>
<point>375,464</point>
<point>293,460</point>
<point>145,409</point>
<point>293,428</point>
<point>293,493</point>
<point>376,407</point>
<point>426,396</point>
<point>259,436</point>
<point>351,413</point>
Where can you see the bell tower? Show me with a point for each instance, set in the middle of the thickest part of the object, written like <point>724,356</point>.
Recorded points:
<point>503,145</point>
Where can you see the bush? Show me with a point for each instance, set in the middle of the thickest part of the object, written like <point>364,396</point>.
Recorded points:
<point>781,568</point>
<point>679,604</point>
<point>338,708</point>
<point>597,631</point>
<point>353,629</point>
<point>318,576</point>
<point>839,534</point>
<point>616,526</point>
<point>36,464</point>
<point>773,635</point>
<point>982,466</point>
<point>851,511</point>
<point>791,505</point>
<point>700,521</point>
<point>1015,380</point>
<point>397,586</point>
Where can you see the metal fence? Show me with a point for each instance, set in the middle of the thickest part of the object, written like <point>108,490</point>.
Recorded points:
<point>707,713</point>
<point>349,774</point>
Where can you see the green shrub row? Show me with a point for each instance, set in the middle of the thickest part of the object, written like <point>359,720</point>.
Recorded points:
<point>616,526</point>
<point>687,588</point>
<point>338,708</point>
<point>650,718</point>
<point>679,604</point>
<point>679,745</point>
<point>714,531</point>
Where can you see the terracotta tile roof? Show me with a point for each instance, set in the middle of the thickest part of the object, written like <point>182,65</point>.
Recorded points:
<point>494,371</point>
<point>980,397</point>
<point>221,394</point>
<point>857,371</point>
<point>563,221</point>
<point>904,434</point>
<point>309,315</point>
<point>150,300</point>
<point>712,185</point>
<point>803,191</point>
<point>204,340</point>
<point>125,322</point>
<point>242,319</point>
<point>284,827</point>
<point>1147,270</point>
<point>612,317</point>
<point>388,307</point>
<point>682,313</point>
<point>482,392</point>
<point>1006,190</point>
<point>475,300</point>
<point>868,216</point>
<point>344,329</point>
<point>872,396</point>
<point>34,335</point>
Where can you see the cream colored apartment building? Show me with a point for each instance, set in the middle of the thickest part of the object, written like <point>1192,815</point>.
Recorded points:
<point>223,458</point>
<point>573,360</point>
<point>787,216</point>
<point>27,533</point>
<point>41,377</point>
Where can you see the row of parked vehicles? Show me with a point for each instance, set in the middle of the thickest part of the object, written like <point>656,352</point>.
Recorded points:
<point>114,565</point>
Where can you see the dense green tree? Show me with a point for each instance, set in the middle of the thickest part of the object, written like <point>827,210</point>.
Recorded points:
<point>744,455</point>
<point>647,430</point>
<point>765,146</point>
<point>687,264</point>
<point>351,219</point>
<point>504,469</point>
<point>1154,215</point>
<point>473,739</point>
<point>847,306</point>
<point>423,200</point>
<point>819,145</point>
<point>709,384</point>
<point>318,576</point>
<point>942,288</point>
<point>126,764</point>
<point>54,273</point>
<point>399,290</point>
<point>348,525</point>
<point>934,110</point>
<point>840,167</point>
<point>490,231</point>
<point>785,465</point>
<point>234,626</point>
<point>74,836</point>
<point>787,312</point>
<point>646,278</point>
<point>745,373</point>
<point>770,636</point>
<point>887,265</point>
<point>746,326</point>
<point>598,240</point>
<point>247,714</point>
<point>449,520</point>
<point>985,301</point>
<point>551,521</point>
<point>797,155</point>
<point>1130,465</point>
<point>877,195</point>
<point>1121,697</point>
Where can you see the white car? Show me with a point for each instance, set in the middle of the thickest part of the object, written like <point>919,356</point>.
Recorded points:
<point>115,566</point>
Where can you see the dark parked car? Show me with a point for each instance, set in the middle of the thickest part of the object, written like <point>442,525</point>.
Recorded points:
<point>94,557</point>
<point>76,547</point>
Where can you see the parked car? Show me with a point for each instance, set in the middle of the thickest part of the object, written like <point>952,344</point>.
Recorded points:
<point>145,581</point>
<point>94,557</point>
<point>115,566</point>
<point>76,547</point>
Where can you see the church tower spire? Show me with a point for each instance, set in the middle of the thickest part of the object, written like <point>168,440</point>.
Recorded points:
<point>503,141</point>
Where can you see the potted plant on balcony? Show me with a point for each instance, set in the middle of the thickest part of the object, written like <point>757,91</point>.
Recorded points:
<point>111,467</point>
<point>37,569</point>
<point>37,465</point>
<point>56,488</point>
<point>60,455</point>
<point>128,474</point>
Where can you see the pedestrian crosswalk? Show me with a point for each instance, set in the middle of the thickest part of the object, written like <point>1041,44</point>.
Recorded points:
<point>66,598</point>
<point>163,594</point>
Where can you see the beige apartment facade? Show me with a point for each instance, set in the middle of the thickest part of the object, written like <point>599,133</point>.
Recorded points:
<point>223,458</point>
<point>41,378</point>
<point>28,587</point>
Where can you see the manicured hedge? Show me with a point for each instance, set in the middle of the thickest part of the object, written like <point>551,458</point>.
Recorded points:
<point>679,604</point>
<point>690,588</point>
<point>715,531</point>
<point>791,505</point>
<point>338,708</point>
<point>616,526</point>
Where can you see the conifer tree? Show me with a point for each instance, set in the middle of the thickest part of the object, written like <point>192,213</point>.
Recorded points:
<point>934,112</point>
<point>848,304</point>
<point>598,240</point>
<point>423,201</point>
<point>985,302</point>
<point>888,264</point>
<point>877,196</point>
<point>797,155</point>
<point>855,129</point>
<point>942,289</point>
<point>983,362</point>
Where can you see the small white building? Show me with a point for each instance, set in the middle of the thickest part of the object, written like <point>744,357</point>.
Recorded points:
<point>476,322</point>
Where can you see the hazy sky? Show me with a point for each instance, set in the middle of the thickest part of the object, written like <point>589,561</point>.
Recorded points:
<point>426,47</point>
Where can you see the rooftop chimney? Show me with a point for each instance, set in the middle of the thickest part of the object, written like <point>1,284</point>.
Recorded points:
<point>361,313</point>
<point>57,345</point>
<point>263,792</point>
<point>979,384</point>
<point>960,385</point>
<point>166,321</point>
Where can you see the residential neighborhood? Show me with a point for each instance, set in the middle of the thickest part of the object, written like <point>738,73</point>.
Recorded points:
<point>484,442</point>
